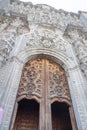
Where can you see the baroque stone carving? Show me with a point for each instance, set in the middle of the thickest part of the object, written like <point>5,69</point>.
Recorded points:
<point>23,14</point>
<point>45,39</point>
<point>10,29</point>
<point>77,36</point>
<point>45,14</point>
<point>17,22</point>
<point>7,42</point>
<point>82,55</point>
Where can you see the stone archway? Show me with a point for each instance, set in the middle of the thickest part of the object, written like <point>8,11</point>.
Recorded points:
<point>74,77</point>
<point>43,80</point>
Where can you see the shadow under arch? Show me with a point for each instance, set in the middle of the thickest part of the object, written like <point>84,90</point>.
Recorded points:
<point>62,100</point>
<point>27,114</point>
<point>60,116</point>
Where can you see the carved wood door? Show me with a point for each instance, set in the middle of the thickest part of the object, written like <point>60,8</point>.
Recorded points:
<point>44,81</point>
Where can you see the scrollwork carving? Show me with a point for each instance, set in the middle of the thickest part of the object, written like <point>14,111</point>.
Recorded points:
<point>59,91</point>
<point>10,29</point>
<point>7,42</point>
<point>31,82</point>
<point>45,39</point>
<point>31,74</point>
<point>58,82</point>
<point>78,39</point>
<point>45,14</point>
<point>30,88</point>
<point>42,76</point>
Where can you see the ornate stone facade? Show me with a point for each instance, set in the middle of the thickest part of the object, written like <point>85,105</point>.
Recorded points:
<point>29,32</point>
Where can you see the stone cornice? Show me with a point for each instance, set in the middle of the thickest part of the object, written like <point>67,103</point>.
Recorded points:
<point>82,32</point>
<point>41,13</point>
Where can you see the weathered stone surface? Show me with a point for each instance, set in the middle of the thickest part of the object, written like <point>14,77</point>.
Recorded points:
<point>29,31</point>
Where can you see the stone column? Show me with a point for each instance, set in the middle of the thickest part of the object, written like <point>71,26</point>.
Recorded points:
<point>10,94</point>
<point>78,97</point>
<point>5,73</point>
<point>14,116</point>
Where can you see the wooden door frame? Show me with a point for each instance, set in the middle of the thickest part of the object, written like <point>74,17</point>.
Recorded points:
<point>41,123</point>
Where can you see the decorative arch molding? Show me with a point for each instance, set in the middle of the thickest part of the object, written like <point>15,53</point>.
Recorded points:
<point>74,76</point>
<point>57,56</point>
<point>24,97</point>
<point>56,99</point>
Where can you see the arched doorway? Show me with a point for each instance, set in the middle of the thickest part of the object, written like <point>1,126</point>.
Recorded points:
<point>60,116</point>
<point>27,115</point>
<point>43,80</point>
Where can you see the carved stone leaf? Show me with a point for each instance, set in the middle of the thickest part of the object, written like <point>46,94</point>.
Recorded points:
<point>45,39</point>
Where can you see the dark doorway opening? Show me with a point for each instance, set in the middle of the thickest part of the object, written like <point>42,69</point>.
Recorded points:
<point>60,116</point>
<point>27,115</point>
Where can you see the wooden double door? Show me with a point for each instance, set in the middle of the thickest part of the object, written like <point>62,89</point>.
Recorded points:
<point>43,98</point>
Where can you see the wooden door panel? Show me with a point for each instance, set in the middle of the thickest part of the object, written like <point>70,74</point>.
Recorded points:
<point>43,77</point>
<point>27,116</point>
<point>42,80</point>
<point>60,117</point>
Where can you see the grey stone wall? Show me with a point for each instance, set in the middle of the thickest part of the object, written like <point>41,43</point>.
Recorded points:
<point>4,4</point>
<point>30,30</point>
<point>83,18</point>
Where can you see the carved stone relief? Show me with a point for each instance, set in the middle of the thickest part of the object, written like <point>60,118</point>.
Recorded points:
<point>17,22</point>
<point>7,42</point>
<point>43,38</point>
<point>82,56</point>
<point>45,14</point>
<point>10,30</point>
<point>23,14</point>
<point>78,38</point>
